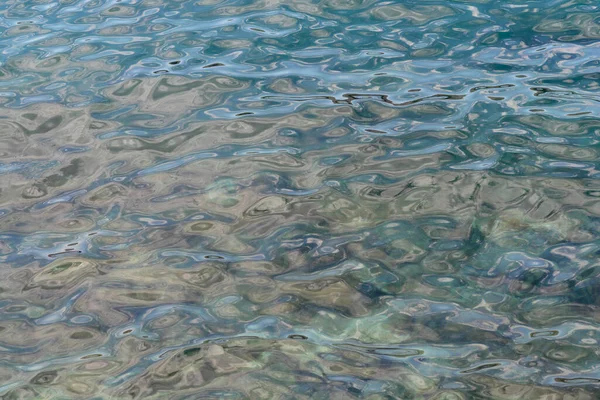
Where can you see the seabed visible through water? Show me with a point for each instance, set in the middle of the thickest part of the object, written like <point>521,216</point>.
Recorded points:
<point>333,199</point>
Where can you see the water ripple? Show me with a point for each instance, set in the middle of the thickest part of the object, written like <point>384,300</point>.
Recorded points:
<point>307,199</point>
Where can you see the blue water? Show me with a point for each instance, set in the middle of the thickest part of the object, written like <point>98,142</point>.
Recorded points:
<point>330,199</point>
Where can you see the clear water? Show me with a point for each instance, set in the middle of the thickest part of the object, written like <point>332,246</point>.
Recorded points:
<point>299,199</point>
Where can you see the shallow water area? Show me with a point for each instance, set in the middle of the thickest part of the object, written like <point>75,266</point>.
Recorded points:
<point>329,199</point>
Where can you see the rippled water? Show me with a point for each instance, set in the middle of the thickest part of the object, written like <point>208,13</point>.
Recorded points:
<point>299,200</point>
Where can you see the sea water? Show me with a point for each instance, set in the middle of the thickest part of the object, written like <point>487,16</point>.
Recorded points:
<point>300,199</point>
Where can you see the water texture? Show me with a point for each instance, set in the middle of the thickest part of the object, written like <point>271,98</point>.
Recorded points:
<point>300,199</point>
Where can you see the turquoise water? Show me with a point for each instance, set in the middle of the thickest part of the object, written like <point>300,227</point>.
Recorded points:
<point>299,200</point>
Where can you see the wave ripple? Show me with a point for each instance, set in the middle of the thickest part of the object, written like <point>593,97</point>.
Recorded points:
<point>299,199</point>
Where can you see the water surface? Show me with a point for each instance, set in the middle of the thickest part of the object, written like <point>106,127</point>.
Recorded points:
<point>299,199</point>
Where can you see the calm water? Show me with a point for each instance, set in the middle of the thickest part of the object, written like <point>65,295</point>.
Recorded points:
<point>300,199</point>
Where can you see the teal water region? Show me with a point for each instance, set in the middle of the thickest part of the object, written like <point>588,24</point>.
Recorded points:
<point>334,199</point>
